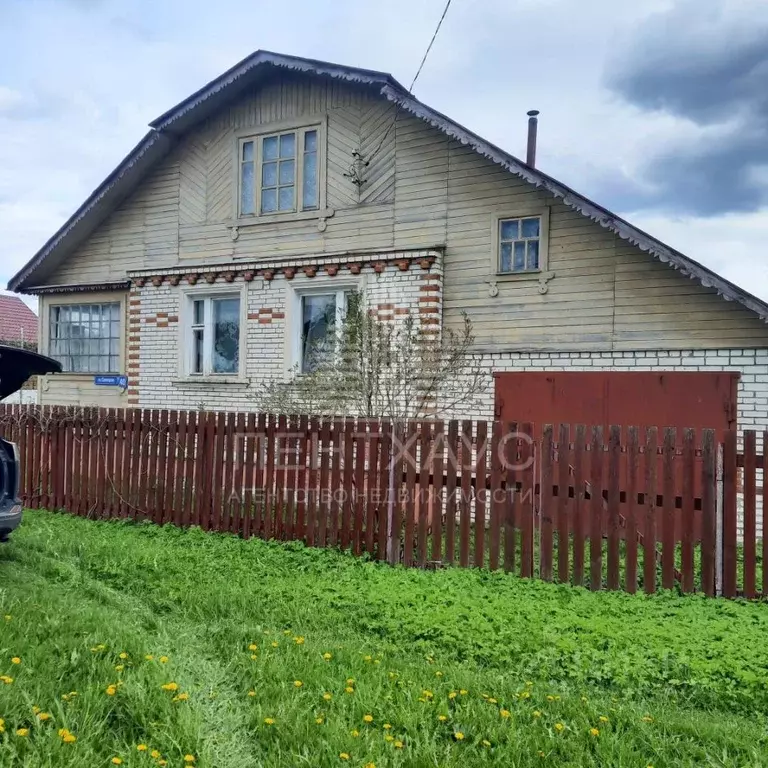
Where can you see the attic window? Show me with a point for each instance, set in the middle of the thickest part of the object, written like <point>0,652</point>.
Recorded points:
<point>279,172</point>
<point>521,243</point>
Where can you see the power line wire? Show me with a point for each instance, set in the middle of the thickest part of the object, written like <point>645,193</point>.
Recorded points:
<point>413,82</point>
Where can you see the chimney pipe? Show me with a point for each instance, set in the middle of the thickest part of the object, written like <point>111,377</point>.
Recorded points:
<point>533,123</point>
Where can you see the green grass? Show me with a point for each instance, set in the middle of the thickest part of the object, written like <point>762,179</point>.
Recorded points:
<point>682,681</point>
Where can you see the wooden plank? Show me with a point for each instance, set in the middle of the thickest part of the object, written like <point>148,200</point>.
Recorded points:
<point>425,444</point>
<point>466,491</point>
<point>219,469</point>
<point>546,504</point>
<point>250,444</point>
<point>314,463</point>
<point>526,507</point>
<point>579,504</point>
<point>347,482</point>
<point>750,513</point>
<point>76,503</point>
<point>83,432</point>
<point>359,493</point>
<point>302,455</point>
<point>371,486</point>
<point>708,511</point>
<point>175,488</point>
<point>436,495</point>
<point>37,464</point>
<point>335,487</point>
<point>451,453</point>
<point>237,492</point>
<point>614,458</point>
<point>563,481</point>
<point>135,482</point>
<point>765,516</point>
<point>596,510</point>
<point>268,528</point>
<point>649,534</point>
<point>689,492</point>
<point>323,506</point>
<point>385,453</point>
<point>512,501</point>
<point>410,491</point>
<point>291,477</point>
<point>45,455</point>
<point>123,461</point>
<point>281,463</point>
<point>111,460</point>
<point>101,465</point>
<point>161,468</point>
<point>94,420</point>
<point>668,524</point>
<point>730,514</point>
<point>209,481</point>
<point>480,492</point>
<point>496,496</point>
<point>261,448</point>
<point>633,460</point>
<point>144,481</point>
<point>230,467</point>
<point>188,468</point>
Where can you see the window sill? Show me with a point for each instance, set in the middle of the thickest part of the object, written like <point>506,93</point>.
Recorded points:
<point>276,218</point>
<point>530,275</point>
<point>207,381</point>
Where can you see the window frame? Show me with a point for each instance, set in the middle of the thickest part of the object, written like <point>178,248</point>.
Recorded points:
<point>520,213</point>
<point>80,300</point>
<point>209,293</point>
<point>293,340</point>
<point>300,128</point>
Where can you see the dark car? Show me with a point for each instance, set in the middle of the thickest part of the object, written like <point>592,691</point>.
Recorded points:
<point>16,366</point>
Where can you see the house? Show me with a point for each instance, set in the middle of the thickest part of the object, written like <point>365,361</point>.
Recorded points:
<point>199,267</point>
<point>18,323</point>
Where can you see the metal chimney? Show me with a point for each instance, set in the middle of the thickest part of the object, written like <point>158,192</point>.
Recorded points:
<point>533,125</point>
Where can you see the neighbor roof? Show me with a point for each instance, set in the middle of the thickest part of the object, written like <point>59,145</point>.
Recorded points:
<point>167,130</point>
<point>17,321</point>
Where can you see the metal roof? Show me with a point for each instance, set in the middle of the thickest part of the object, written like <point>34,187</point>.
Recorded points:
<point>18,323</point>
<point>166,130</point>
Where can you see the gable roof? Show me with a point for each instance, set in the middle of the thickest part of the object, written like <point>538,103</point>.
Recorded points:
<point>167,130</point>
<point>17,321</point>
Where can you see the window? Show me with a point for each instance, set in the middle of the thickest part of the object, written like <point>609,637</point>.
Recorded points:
<point>519,244</point>
<point>85,338</point>
<point>279,173</point>
<point>214,335</point>
<point>320,315</point>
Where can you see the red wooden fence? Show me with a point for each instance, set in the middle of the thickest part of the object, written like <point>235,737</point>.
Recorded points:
<point>630,509</point>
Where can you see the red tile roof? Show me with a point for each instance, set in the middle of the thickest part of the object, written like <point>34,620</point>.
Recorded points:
<point>17,321</point>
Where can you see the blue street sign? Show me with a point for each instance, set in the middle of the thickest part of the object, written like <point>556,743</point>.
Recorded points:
<point>111,381</point>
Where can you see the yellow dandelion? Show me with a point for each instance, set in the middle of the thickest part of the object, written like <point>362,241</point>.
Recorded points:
<point>327,656</point>
<point>149,657</point>
<point>2,725</point>
<point>370,765</point>
<point>274,644</point>
<point>350,681</point>
<point>349,689</point>
<point>162,763</point>
<point>319,720</point>
<point>485,743</point>
<point>367,718</point>
<point>117,761</point>
<point>343,756</point>
<point>505,713</point>
<point>427,694</point>
<point>7,680</point>
<point>492,701</point>
<point>154,754</point>
<point>584,699</point>
<point>181,697</point>
<point>170,686</point>
<point>541,754</point>
<point>603,719</point>
<point>388,737</point>
<point>141,747</point>
<point>463,692</point>
<point>189,758</point>
<point>123,656</point>
<point>164,659</point>
<point>398,745</point>
<point>559,727</point>
<point>525,695</point>
<point>354,733</point>
<point>594,732</point>
<point>119,667</point>
<point>367,658</point>
<point>442,718</point>
<point>298,640</point>
<point>550,698</point>
<point>7,617</point>
<point>36,709</point>
<point>438,674</point>
<point>253,647</point>
<point>529,683</point>
<point>459,736</point>
<point>251,693</point>
<point>22,732</point>
<point>387,727</point>
<point>43,716</point>
<point>647,719</point>
<point>269,720</point>
<point>485,696</point>
<point>536,713</point>
<point>297,683</point>
<point>69,738</point>
<point>254,657</point>
<point>327,696</point>
<point>15,660</point>
<point>452,695</point>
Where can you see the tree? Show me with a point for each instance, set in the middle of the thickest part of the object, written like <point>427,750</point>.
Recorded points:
<point>396,369</point>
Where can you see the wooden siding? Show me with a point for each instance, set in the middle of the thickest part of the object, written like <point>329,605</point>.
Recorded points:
<point>422,190</point>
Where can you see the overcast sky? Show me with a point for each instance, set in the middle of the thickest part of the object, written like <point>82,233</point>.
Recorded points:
<point>657,109</point>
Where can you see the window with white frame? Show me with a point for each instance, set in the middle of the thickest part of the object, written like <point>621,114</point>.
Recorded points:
<point>519,244</point>
<point>85,338</point>
<point>214,335</point>
<point>279,172</point>
<point>319,318</point>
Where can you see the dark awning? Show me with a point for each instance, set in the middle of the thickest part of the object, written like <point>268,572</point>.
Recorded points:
<point>17,365</point>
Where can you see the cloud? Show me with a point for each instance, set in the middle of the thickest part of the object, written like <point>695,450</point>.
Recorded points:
<point>705,62</point>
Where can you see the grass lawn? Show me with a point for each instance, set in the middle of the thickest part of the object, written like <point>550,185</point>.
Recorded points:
<point>242,654</point>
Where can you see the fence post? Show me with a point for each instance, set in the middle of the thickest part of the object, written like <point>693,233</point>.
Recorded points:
<point>719,523</point>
